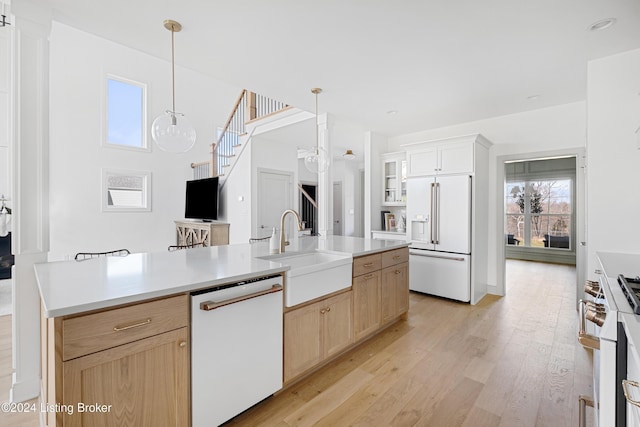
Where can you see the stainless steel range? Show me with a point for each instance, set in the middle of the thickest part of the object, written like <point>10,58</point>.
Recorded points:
<point>631,290</point>
<point>602,328</point>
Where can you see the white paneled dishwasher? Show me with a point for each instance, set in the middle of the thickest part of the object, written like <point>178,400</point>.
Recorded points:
<point>236,348</point>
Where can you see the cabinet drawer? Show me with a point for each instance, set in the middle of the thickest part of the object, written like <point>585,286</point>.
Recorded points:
<point>394,257</point>
<point>366,264</point>
<point>98,331</point>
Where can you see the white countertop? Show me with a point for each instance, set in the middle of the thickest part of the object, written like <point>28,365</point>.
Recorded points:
<point>70,287</point>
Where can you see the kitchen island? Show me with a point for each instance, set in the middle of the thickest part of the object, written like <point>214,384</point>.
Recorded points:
<point>104,316</point>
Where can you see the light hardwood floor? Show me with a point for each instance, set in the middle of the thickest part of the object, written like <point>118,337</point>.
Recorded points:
<point>511,361</point>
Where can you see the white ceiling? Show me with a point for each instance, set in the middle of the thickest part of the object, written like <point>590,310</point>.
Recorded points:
<point>435,62</point>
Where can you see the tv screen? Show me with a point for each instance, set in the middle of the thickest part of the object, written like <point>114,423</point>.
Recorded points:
<point>202,199</point>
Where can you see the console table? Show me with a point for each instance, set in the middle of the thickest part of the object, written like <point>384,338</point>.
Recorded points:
<point>210,233</point>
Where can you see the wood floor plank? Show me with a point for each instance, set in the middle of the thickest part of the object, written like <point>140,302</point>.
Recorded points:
<point>310,413</point>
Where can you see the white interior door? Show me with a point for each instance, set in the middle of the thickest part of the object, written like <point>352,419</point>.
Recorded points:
<point>337,209</point>
<point>275,195</point>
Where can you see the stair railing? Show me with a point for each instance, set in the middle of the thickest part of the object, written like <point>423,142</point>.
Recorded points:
<point>248,107</point>
<point>223,149</point>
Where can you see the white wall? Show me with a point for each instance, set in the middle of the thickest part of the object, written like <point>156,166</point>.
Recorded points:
<point>6,173</point>
<point>537,131</point>
<point>79,62</point>
<point>613,155</point>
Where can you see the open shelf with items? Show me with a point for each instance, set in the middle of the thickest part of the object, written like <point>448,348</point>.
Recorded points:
<point>394,173</point>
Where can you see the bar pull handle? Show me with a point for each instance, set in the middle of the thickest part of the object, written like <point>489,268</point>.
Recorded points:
<point>433,212</point>
<point>212,305</point>
<point>369,276</point>
<point>587,340</point>
<point>396,257</point>
<point>368,265</point>
<point>583,402</point>
<point>627,395</point>
<point>134,325</point>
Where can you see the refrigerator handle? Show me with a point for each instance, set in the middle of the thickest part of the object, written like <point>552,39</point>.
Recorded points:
<point>437,214</point>
<point>433,215</point>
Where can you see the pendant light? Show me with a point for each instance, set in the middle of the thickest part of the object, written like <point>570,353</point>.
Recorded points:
<point>317,159</point>
<point>171,130</point>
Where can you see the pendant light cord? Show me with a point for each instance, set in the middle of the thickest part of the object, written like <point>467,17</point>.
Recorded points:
<point>317,126</point>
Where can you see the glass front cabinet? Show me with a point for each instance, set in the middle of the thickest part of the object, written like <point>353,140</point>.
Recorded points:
<point>394,175</point>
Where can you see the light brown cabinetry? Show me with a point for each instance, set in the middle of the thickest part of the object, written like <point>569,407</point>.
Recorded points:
<point>394,292</point>
<point>366,304</point>
<point>380,290</point>
<point>315,332</point>
<point>133,362</point>
<point>209,233</point>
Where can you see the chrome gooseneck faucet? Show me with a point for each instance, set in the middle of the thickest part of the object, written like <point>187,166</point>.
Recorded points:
<point>283,242</point>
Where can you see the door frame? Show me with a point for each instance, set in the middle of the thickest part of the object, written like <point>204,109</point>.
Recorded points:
<point>580,211</point>
<point>341,209</point>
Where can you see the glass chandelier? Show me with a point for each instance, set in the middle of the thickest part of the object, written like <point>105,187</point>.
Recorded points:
<point>171,131</point>
<point>317,159</point>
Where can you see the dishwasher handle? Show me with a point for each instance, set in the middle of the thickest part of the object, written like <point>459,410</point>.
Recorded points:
<point>212,305</point>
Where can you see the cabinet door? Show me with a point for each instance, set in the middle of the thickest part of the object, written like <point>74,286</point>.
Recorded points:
<point>366,304</point>
<point>394,291</point>
<point>302,347</point>
<point>337,323</point>
<point>456,158</point>
<point>145,382</point>
<point>422,162</point>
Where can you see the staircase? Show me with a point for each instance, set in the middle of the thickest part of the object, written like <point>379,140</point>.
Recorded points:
<point>233,137</point>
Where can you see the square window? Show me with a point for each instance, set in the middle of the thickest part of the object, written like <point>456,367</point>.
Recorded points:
<point>126,191</point>
<point>126,114</point>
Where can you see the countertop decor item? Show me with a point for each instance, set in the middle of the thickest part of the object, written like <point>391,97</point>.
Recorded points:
<point>172,133</point>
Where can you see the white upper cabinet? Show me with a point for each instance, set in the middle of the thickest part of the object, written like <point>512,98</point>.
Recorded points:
<point>394,179</point>
<point>443,157</point>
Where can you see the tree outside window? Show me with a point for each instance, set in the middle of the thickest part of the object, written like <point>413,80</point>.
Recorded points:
<point>539,213</point>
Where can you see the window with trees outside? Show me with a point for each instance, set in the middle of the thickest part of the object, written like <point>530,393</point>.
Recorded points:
<point>539,213</point>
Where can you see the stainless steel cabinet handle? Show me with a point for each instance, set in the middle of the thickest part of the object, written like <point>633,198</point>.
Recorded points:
<point>627,395</point>
<point>212,305</point>
<point>135,325</point>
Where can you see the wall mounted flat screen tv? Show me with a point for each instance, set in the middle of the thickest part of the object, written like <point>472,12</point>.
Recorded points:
<point>201,200</point>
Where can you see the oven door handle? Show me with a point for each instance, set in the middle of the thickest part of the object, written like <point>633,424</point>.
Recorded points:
<point>627,395</point>
<point>584,338</point>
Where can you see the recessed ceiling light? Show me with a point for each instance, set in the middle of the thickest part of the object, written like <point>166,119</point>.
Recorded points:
<point>532,97</point>
<point>602,24</point>
<point>392,112</point>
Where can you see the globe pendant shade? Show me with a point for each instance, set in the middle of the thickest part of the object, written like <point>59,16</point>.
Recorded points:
<point>173,133</point>
<point>317,160</point>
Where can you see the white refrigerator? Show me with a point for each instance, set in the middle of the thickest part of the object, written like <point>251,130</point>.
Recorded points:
<point>439,232</point>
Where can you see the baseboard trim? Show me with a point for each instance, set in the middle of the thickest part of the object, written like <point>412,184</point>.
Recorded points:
<point>21,391</point>
<point>493,290</point>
